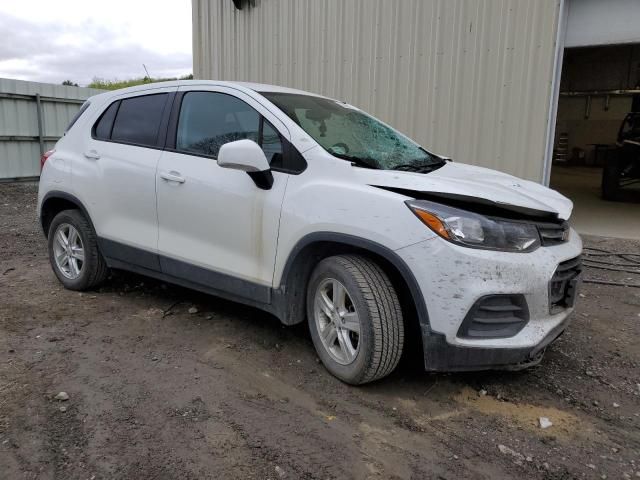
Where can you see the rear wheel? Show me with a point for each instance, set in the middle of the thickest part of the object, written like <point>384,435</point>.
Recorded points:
<point>73,251</point>
<point>355,319</point>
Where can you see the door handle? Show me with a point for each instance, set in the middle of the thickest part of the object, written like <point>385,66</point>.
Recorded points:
<point>172,177</point>
<point>92,155</point>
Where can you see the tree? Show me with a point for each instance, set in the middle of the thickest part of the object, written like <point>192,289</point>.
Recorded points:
<point>70,83</point>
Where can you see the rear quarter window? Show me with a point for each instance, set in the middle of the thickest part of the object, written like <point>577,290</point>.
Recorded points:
<point>104,125</point>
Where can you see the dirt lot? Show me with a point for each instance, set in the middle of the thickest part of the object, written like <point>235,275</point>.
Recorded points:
<point>227,392</point>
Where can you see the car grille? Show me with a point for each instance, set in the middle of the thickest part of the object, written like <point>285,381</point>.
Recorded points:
<point>553,233</point>
<point>564,285</point>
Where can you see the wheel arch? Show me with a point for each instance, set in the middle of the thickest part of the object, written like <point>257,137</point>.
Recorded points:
<point>55,202</point>
<point>290,295</point>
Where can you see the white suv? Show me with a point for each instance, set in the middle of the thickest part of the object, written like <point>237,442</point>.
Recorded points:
<point>307,207</point>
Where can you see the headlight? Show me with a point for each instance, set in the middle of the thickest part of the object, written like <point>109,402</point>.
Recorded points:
<point>473,230</point>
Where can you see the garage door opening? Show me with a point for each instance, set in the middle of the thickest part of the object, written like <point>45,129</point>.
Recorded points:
<point>596,156</point>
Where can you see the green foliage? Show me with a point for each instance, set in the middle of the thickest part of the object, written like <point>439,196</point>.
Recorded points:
<point>116,84</point>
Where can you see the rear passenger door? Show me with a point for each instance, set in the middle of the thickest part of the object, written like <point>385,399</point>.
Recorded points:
<point>117,175</point>
<point>216,227</point>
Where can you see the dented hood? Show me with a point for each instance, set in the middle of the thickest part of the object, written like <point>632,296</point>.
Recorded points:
<point>473,184</point>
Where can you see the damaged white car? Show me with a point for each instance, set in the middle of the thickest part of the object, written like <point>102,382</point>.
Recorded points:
<point>311,209</point>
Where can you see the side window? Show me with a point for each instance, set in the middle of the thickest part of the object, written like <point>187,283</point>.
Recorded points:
<point>138,119</point>
<point>102,129</point>
<point>208,120</point>
<point>271,145</point>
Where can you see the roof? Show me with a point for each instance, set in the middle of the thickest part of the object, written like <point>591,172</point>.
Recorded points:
<point>264,87</point>
<point>257,87</point>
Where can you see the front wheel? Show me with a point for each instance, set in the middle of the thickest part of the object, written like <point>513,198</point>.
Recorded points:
<point>355,319</point>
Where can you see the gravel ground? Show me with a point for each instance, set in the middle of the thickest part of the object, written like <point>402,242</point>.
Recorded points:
<point>227,392</point>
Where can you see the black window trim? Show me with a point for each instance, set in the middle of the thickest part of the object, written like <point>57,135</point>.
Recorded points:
<point>288,148</point>
<point>95,124</point>
<point>168,129</point>
<point>162,127</point>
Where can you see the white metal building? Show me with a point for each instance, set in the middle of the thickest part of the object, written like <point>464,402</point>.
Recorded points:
<point>477,80</point>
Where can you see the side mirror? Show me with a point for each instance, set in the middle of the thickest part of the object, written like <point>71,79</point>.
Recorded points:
<point>246,155</point>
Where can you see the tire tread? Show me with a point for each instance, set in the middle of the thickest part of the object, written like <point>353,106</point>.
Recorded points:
<point>385,314</point>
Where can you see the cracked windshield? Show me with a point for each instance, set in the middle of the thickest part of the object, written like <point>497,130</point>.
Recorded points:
<point>349,133</point>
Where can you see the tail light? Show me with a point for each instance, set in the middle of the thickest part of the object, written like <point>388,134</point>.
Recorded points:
<point>45,157</point>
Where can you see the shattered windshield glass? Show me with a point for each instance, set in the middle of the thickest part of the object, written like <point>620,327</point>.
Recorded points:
<point>349,133</point>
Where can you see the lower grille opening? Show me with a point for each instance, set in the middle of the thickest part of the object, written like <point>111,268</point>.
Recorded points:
<point>495,316</point>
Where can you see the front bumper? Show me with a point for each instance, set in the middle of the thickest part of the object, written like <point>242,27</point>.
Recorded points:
<point>452,278</point>
<point>440,356</point>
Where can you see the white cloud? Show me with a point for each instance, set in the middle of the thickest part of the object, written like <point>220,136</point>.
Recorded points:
<point>54,41</point>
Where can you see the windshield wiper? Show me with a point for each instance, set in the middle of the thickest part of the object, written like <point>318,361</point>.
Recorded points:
<point>359,161</point>
<point>408,167</point>
<point>419,168</point>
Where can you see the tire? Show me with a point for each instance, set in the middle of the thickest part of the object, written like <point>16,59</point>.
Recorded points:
<point>87,273</point>
<point>371,300</point>
<point>611,179</point>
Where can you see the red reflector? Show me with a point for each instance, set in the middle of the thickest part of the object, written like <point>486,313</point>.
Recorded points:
<point>45,157</point>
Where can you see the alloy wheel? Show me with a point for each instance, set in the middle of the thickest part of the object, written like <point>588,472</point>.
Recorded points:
<point>68,251</point>
<point>337,321</point>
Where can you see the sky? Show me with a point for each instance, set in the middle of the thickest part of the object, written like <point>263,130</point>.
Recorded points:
<point>55,40</point>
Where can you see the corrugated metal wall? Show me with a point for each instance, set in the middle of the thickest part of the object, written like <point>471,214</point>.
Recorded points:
<point>467,78</point>
<point>19,154</point>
